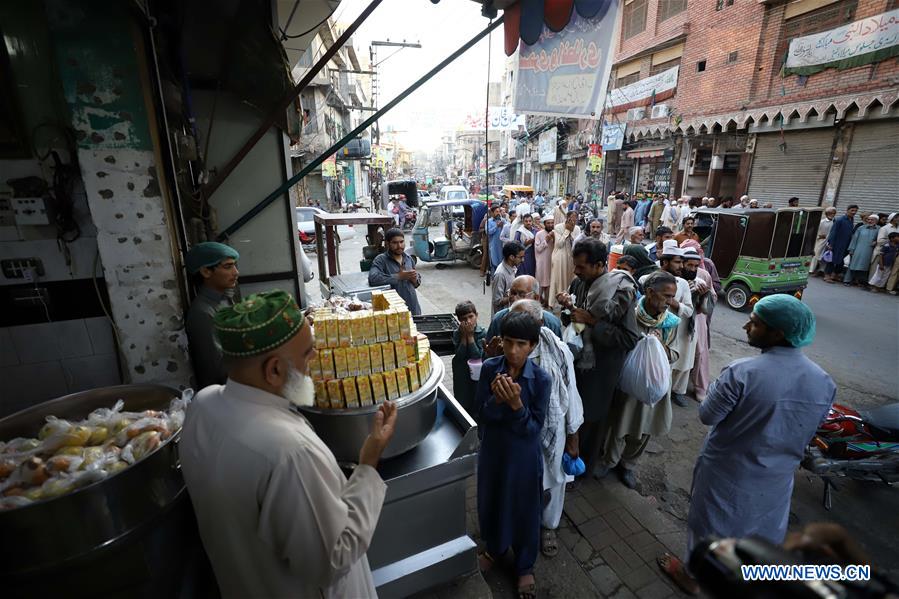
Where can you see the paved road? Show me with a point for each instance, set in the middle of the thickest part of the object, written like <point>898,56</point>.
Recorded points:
<point>856,339</point>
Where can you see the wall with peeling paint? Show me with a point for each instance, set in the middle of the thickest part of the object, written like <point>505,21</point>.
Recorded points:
<point>98,58</point>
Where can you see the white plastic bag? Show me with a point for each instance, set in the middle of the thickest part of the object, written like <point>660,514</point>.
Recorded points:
<point>572,338</point>
<point>646,373</point>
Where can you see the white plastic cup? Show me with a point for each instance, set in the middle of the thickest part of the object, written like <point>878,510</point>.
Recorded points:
<point>474,368</point>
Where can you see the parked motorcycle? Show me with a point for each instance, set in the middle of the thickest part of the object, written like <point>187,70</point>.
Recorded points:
<point>858,444</point>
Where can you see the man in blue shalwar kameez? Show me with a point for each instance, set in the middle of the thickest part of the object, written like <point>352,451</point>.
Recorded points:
<point>511,403</point>
<point>761,423</point>
<point>494,229</point>
<point>838,241</point>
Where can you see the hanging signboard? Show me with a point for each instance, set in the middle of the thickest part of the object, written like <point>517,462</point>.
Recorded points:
<point>329,167</point>
<point>547,143</point>
<point>594,158</point>
<point>640,92</point>
<point>613,136</point>
<point>566,72</point>
<point>499,118</point>
<point>862,42</point>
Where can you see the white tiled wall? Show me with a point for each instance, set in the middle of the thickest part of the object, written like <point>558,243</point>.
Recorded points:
<point>43,361</point>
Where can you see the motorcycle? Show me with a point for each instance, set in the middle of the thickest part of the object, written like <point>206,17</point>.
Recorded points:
<point>409,221</point>
<point>857,444</point>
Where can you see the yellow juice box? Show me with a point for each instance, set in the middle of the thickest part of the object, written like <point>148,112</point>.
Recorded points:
<point>389,356</point>
<point>405,321</point>
<point>331,328</point>
<point>411,348</point>
<point>335,396</point>
<point>340,363</point>
<point>320,330</point>
<point>352,361</point>
<point>357,328</point>
<point>412,373</point>
<point>326,363</point>
<point>402,381</point>
<point>401,358</point>
<point>378,301</point>
<point>423,370</point>
<point>393,325</point>
<point>390,385</point>
<point>349,392</point>
<point>314,368</point>
<point>377,359</point>
<point>344,331</point>
<point>364,360</point>
<point>381,327</point>
<point>368,328</point>
<point>321,395</point>
<point>364,386</point>
<point>378,393</point>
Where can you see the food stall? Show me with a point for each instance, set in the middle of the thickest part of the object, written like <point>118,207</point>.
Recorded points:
<point>330,278</point>
<point>92,496</point>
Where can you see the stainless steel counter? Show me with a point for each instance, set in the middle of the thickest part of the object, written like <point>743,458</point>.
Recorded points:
<point>421,540</point>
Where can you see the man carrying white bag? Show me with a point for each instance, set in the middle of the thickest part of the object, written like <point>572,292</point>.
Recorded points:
<point>641,407</point>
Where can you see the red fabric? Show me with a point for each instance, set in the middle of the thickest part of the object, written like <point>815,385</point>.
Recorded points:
<point>557,13</point>
<point>511,27</point>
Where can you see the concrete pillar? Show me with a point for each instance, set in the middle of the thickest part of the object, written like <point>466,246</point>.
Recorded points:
<point>99,54</point>
<point>713,186</point>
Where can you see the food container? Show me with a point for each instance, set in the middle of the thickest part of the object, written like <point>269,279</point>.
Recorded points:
<point>474,367</point>
<point>344,430</point>
<point>107,537</point>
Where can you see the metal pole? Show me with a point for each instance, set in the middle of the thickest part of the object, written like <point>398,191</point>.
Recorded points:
<point>278,111</point>
<point>362,126</point>
<point>487,125</point>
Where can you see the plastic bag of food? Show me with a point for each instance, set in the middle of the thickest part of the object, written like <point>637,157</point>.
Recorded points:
<point>7,467</point>
<point>105,416</point>
<point>141,446</point>
<point>30,473</point>
<point>61,433</point>
<point>13,501</point>
<point>99,458</point>
<point>139,427</point>
<point>63,463</point>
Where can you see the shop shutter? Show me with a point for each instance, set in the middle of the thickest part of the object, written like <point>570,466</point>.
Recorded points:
<point>800,171</point>
<point>871,175</point>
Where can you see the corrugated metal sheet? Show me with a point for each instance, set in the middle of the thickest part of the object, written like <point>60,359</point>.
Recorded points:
<point>799,171</point>
<point>871,175</point>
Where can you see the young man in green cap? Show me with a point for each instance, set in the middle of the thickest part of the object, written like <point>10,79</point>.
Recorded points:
<point>763,411</point>
<point>277,516</point>
<point>213,268</point>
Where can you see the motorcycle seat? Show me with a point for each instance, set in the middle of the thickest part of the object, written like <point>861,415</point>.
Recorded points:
<point>884,419</point>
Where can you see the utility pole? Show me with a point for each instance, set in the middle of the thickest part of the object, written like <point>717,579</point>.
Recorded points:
<point>375,83</point>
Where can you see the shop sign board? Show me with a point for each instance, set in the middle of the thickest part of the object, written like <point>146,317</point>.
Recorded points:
<point>547,143</point>
<point>644,88</point>
<point>613,136</point>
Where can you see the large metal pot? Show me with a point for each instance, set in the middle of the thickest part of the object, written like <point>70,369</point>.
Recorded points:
<point>118,534</point>
<point>344,431</point>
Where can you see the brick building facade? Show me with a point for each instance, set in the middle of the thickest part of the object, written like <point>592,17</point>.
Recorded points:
<point>734,123</point>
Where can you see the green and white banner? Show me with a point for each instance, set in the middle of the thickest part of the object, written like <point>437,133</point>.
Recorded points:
<point>862,42</point>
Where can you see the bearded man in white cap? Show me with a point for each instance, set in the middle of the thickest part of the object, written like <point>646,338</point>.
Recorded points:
<point>277,516</point>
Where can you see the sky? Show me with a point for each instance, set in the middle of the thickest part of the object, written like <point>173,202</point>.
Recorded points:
<point>441,28</point>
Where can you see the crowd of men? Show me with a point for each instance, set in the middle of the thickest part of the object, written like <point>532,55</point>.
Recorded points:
<point>546,397</point>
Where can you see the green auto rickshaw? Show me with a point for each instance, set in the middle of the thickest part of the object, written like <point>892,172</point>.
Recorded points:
<point>759,252</point>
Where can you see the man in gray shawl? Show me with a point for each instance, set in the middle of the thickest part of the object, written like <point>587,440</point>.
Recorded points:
<point>602,306</point>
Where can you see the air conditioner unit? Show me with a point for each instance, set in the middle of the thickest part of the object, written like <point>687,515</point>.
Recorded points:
<point>635,114</point>
<point>660,111</point>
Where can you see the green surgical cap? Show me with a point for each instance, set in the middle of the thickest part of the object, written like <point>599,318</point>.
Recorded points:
<point>789,315</point>
<point>208,254</point>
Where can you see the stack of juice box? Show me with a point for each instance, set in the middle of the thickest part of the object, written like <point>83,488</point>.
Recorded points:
<point>369,356</point>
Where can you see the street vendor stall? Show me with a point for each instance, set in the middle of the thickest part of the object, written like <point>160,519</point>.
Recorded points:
<point>330,279</point>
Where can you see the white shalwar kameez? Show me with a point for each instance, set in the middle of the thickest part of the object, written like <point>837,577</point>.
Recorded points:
<point>277,516</point>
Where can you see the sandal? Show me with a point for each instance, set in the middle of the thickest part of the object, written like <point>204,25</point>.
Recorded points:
<point>674,569</point>
<point>528,591</point>
<point>549,543</point>
<point>485,561</point>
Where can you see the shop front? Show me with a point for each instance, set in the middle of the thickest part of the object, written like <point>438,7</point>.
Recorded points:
<point>653,168</point>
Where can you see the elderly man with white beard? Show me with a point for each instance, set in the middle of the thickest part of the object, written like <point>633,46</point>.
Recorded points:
<point>564,416</point>
<point>277,516</point>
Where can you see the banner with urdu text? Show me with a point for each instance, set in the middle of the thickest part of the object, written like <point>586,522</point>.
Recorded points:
<point>567,72</point>
<point>862,42</point>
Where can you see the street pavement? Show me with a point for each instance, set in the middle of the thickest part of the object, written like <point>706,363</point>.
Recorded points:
<point>611,535</point>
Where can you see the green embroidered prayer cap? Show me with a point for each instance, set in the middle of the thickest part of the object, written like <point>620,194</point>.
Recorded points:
<point>258,324</point>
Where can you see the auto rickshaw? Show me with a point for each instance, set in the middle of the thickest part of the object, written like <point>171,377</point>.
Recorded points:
<point>461,239</point>
<point>759,252</point>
